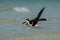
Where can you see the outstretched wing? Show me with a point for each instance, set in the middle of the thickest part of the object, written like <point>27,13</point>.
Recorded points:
<point>40,13</point>
<point>42,19</point>
<point>35,20</point>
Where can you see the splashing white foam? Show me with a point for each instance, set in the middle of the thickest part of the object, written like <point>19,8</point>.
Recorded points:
<point>20,9</point>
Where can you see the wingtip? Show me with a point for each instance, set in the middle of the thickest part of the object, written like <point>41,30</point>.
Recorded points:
<point>44,7</point>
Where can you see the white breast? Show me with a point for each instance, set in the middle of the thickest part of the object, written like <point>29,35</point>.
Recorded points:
<point>27,22</point>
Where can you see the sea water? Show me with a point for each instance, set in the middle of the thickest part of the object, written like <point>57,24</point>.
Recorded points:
<point>13,12</point>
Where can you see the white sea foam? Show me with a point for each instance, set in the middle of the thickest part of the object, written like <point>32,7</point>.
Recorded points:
<point>20,9</point>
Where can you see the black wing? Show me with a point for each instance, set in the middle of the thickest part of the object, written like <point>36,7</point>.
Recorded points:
<point>35,20</point>
<point>42,19</point>
<point>40,13</point>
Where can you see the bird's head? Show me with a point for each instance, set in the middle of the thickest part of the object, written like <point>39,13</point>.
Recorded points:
<point>25,21</point>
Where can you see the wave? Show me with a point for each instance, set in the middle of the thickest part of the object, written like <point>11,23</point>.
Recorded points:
<point>19,9</point>
<point>16,9</point>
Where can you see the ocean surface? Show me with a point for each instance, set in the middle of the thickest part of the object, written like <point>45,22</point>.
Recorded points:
<point>13,12</point>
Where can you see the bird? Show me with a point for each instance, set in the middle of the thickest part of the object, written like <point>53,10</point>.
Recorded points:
<point>34,21</point>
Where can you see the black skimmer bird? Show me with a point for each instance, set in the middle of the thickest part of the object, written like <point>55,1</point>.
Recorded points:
<point>34,21</point>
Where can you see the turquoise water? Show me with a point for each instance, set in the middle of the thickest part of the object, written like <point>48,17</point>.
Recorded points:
<point>13,12</point>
